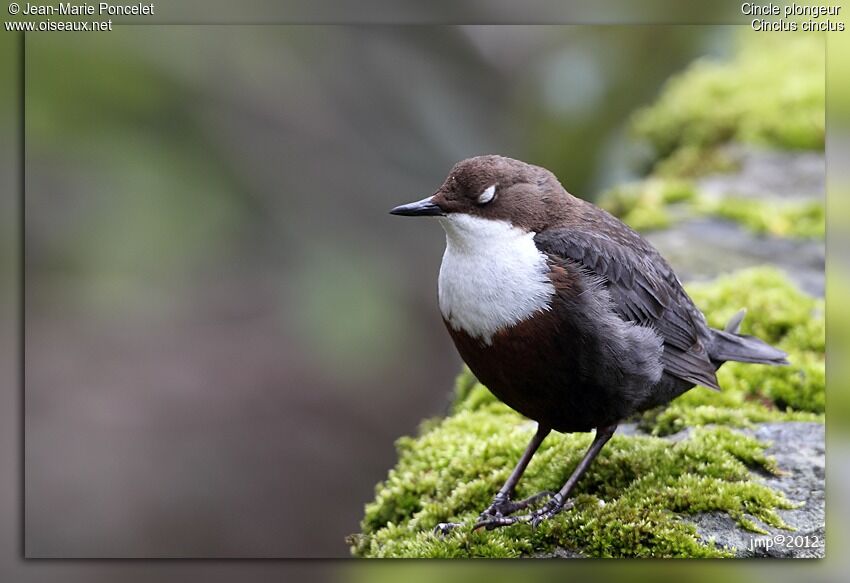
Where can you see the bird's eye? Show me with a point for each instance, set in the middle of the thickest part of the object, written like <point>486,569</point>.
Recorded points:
<point>488,195</point>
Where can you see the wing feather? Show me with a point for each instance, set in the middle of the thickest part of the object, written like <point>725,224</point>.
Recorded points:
<point>644,289</point>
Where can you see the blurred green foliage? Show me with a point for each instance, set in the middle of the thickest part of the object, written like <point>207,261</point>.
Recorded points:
<point>122,164</point>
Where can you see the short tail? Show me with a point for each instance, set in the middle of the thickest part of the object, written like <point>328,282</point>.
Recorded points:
<point>729,345</point>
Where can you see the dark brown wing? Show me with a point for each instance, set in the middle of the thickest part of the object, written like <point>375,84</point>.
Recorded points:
<point>643,288</point>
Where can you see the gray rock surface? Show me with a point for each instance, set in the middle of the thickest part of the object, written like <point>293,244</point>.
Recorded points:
<point>559,553</point>
<point>703,248</point>
<point>799,451</point>
<point>798,448</point>
<point>769,174</point>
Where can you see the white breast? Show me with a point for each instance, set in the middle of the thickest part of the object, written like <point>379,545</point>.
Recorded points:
<point>492,276</point>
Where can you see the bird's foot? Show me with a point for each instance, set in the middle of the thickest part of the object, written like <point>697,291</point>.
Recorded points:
<point>555,505</point>
<point>502,505</point>
<point>500,512</point>
<point>496,522</point>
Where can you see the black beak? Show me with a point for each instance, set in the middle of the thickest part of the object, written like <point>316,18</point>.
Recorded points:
<point>422,208</point>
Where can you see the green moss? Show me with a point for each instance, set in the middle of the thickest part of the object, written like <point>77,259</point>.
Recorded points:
<point>692,161</point>
<point>800,219</point>
<point>630,502</point>
<point>777,310</point>
<point>770,94</point>
<point>469,394</point>
<point>657,203</point>
<point>646,205</point>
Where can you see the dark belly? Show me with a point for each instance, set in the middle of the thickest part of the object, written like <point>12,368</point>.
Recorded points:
<point>552,373</point>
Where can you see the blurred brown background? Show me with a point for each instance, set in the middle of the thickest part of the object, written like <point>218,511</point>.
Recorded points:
<point>225,330</point>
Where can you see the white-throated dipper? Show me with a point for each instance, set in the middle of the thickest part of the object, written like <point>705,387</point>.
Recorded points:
<point>565,313</point>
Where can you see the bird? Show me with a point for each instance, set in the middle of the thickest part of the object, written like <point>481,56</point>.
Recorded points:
<point>566,314</point>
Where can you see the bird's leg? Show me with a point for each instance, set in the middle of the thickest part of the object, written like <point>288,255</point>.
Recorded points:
<point>502,504</point>
<point>558,501</point>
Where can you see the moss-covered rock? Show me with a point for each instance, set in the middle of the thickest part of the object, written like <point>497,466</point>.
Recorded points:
<point>804,219</point>
<point>632,501</point>
<point>628,504</point>
<point>650,204</point>
<point>658,202</point>
<point>770,94</point>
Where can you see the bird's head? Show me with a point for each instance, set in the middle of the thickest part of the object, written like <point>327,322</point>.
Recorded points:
<point>494,188</point>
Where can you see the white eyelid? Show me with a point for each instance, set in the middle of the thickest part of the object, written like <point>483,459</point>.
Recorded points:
<point>488,194</point>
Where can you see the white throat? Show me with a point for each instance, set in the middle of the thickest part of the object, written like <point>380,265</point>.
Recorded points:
<point>492,276</point>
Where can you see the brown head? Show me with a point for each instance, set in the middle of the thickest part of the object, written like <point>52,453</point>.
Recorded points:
<point>498,188</point>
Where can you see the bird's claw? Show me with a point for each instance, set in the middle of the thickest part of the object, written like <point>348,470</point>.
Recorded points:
<point>500,513</point>
<point>550,509</point>
<point>493,522</point>
<point>503,506</point>
<point>555,505</point>
<point>445,528</point>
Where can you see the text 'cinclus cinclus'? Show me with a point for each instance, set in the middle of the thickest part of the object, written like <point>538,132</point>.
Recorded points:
<point>565,313</point>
